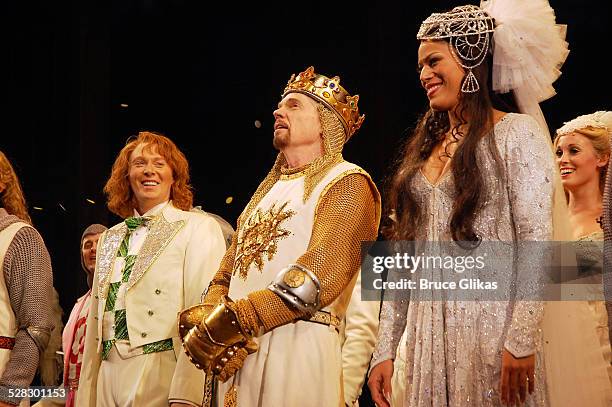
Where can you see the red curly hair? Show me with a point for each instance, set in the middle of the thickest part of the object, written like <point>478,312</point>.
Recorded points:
<point>120,198</point>
<point>11,196</point>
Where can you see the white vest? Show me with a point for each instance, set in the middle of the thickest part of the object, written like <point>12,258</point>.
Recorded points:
<point>8,322</point>
<point>295,231</point>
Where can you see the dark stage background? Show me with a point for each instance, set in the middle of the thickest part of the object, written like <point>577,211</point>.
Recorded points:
<point>83,77</point>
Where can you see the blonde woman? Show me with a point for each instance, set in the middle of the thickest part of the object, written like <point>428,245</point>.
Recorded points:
<point>582,148</point>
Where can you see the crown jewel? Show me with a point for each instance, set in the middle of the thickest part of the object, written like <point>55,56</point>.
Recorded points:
<point>468,28</point>
<point>330,93</point>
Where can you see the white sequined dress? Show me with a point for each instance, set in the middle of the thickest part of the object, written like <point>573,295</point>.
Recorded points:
<point>576,343</point>
<point>454,348</point>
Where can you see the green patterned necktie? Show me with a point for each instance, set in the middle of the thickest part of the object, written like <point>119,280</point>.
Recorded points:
<point>133,222</point>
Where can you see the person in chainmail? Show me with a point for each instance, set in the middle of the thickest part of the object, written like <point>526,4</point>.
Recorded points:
<point>26,285</point>
<point>277,339</point>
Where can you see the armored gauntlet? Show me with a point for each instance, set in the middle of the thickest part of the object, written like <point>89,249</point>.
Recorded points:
<point>215,338</point>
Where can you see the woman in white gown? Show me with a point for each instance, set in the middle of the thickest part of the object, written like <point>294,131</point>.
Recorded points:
<point>576,332</point>
<point>472,173</point>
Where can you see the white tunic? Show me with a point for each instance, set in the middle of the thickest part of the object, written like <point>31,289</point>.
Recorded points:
<point>8,323</point>
<point>298,364</point>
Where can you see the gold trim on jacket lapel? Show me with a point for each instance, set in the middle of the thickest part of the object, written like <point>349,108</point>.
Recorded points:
<point>161,232</point>
<point>106,257</point>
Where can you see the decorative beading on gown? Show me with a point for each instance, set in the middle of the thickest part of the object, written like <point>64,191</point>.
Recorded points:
<point>454,348</point>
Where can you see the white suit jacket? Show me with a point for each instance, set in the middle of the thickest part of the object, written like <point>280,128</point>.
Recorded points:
<point>179,257</point>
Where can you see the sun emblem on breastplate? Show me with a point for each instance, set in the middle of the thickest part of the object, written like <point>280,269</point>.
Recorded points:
<point>259,237</point>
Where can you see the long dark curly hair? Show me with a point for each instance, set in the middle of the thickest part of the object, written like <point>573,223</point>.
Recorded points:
<point>404,214</point>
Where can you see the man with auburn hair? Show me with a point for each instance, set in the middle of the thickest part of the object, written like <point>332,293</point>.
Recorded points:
<point>285,282</point>
<point>149,267</point>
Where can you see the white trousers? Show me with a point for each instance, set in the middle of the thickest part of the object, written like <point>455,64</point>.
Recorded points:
<point>139,381</point>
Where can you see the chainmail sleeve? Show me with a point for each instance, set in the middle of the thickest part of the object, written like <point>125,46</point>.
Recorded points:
<point>347,215</point>
<point>27,272</point>
<point>219,285</point>
<point>607,228</point>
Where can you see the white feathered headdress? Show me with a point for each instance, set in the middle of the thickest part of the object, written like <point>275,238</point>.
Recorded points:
<point>528,51</point>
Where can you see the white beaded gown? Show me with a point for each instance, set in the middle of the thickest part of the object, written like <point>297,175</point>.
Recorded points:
<point>576,343</point>
<point>453,348</point>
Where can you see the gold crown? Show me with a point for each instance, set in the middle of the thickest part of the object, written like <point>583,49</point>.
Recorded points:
<point>331,94</point>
